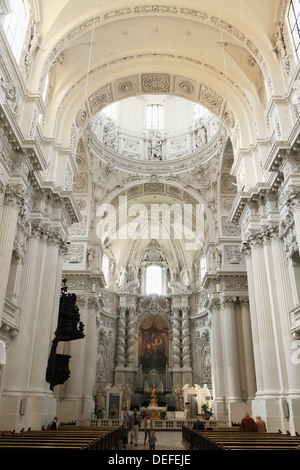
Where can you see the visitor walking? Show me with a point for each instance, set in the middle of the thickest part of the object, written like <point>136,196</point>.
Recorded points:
<point>152,441</point>
<point>135,423</point>
<point>148,426</point>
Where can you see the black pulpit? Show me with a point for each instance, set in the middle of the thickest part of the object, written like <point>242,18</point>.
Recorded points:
<point>69,328</point>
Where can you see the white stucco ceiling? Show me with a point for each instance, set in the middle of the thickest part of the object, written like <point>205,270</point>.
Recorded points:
<point>224,45</point>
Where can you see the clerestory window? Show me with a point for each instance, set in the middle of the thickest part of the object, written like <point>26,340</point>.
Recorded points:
<point>155,116</point>
<point>105,267</point>
<point>294,24</point>
<point>15,25</point>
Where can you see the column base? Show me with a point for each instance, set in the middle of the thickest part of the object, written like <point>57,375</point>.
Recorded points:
<point>228,412</point>
<point>74,409</point>
<point>271,410</point>
<point>18,412</point>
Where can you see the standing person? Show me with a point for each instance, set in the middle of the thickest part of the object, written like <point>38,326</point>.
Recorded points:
<point>126,416</point>
<point>125,434</point>
<point>247,424</point>
<point>135,422</point>
<point>198,425</point>
<point>260,425</point>
<point>152,441</point>
<point>148,426</point>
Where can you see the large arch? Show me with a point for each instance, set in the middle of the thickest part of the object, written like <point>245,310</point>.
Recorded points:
<point>90,44</point>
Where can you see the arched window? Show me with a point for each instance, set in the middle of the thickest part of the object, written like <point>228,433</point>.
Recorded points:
<point>294,24</point>
<point>15,25</point>
<point>154,280</point>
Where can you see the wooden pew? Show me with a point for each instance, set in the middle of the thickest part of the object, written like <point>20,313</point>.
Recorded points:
<point>231,440</point>
<point>73,438</point>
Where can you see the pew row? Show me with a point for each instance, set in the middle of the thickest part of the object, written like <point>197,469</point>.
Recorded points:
<point>67,438</point>
<point>232,440</point>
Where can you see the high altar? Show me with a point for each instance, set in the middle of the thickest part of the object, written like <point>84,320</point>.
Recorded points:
<point>153,409</point>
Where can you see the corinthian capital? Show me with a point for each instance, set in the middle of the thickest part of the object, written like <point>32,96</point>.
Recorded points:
<point>15,198</point>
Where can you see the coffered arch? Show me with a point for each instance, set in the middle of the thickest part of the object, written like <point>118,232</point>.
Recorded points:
<point>100,48</point>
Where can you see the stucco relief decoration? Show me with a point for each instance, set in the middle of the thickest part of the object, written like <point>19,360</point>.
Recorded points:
<point>228,119</point>
<point>128,86</point>
<point>156,83</point>
<point>79,228</point>
<point>232,254</point>
<point>117,13</point>
<point>11,95</point>
<point>211,100</point>
<point>228,184</point>
<point>155,9</point>
<point>154,305</point>
<point>203,344</point>
<point>80,183</point>
<point>194,13</point>
<point>74,254</point>
<point>81,118</point>
<point>110,136</point>
<point>80,162</point>
<point>183,87</point>
<point>100,99</point>
<point>179,147</point>
<point>230,228</point>
<point>68,179</point>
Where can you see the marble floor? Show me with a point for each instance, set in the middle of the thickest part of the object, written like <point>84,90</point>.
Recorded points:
<point>166,440</point>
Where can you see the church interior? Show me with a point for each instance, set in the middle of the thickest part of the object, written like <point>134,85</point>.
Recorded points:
<point>149,211</point>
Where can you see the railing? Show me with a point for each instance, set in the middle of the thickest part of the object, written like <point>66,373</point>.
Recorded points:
<point>163,424</point>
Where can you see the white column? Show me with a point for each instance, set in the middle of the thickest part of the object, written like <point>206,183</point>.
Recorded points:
<point>248,350</point>
<point>12,203</point>
<point>217,353</point>
<point>73,390</point>
<point>20,353</point>
<point>253,319</point>
<point>2,194</point>
<point>89,343</point>
<point>45,321</point>
<point>230,350</point>
<point>285,304</point>
<point>269,362</point>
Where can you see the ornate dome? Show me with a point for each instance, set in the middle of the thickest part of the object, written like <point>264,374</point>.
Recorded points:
<point>154,133</point>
